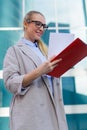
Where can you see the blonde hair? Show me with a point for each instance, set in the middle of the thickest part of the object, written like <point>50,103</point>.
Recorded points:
<point>43,47</point>
<point>41,44</point>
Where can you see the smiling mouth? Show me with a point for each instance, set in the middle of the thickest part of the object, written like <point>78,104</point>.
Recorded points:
<point>39,34</point>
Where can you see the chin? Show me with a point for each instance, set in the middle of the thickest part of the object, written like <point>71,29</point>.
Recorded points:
<point>37,38</point>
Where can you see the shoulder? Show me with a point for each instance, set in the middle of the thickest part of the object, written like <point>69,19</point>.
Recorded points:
<point>13,48</point>
<point>10,53</point>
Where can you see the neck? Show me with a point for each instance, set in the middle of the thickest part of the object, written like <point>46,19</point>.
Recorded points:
<point>29,38</point>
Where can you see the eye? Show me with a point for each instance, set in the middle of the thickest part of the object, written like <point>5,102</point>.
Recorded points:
<point>38,23</point>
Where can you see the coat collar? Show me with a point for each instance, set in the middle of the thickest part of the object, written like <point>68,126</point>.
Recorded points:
<point>29,53</point>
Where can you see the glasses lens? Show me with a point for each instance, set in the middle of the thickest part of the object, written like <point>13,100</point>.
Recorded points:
<point>38,23</point>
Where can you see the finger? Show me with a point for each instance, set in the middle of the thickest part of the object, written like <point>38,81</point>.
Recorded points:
<point>56,61</point>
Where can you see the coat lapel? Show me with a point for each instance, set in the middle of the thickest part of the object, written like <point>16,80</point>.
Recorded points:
<point>48,87</point>
<point>30,53</point>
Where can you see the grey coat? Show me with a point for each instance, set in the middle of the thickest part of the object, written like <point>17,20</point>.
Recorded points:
<point>34,108</point>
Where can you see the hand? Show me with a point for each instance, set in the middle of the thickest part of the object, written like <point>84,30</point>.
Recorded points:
<point>48,66</point>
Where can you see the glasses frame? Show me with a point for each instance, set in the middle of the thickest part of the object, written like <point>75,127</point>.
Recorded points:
<point>38,24</point>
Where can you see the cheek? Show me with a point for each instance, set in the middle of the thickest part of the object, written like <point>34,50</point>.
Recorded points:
<point>30,32</point>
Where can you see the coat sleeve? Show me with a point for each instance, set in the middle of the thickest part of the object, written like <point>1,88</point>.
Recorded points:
<point>11,73</point>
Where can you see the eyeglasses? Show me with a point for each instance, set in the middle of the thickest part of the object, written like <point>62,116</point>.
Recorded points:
<point>38,24</point>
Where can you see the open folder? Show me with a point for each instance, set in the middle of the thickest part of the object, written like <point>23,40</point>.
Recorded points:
<point>71,55</point>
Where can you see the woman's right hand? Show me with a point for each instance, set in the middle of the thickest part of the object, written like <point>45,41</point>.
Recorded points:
<point>48,66</point>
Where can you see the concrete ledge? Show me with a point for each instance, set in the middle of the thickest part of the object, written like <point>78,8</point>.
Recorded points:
<point>69,109</point>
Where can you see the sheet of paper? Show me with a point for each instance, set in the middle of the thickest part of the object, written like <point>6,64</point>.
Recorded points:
<point>58,42</point>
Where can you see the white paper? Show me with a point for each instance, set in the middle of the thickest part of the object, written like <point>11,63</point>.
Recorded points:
<point>58,42</point>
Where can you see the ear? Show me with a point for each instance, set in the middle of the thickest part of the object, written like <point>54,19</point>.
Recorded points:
<point>25,24</point>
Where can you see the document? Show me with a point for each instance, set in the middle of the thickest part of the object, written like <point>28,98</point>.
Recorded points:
<point>71,55</point>
<point>58,42</point>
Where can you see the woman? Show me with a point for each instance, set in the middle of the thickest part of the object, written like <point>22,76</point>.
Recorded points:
<point>37,102</point>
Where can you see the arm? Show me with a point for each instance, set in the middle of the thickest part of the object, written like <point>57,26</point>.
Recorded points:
<point>44,68</point>
<point>13,78</point>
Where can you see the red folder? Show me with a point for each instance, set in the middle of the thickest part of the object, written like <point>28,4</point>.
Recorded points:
<point>71,55</point>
